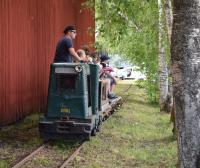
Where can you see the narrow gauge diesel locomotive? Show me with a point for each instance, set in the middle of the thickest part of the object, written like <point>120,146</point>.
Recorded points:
<point>77,102</point>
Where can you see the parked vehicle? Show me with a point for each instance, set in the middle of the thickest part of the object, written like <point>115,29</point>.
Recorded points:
<point>130,73</point>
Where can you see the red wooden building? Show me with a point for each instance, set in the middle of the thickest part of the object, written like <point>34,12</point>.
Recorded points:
<point>29,31</point>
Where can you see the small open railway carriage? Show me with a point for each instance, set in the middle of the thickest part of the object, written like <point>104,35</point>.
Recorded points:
<point>77,102</point>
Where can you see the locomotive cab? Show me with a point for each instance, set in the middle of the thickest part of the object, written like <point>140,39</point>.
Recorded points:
<point>72,105</point>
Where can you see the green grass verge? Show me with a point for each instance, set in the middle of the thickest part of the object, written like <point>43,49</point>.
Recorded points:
<point>18,140</point>
<point>137,135</point>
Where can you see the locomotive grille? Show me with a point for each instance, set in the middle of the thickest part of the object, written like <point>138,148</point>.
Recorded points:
<point>63,128</point>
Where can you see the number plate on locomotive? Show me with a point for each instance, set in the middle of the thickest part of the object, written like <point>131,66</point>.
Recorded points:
<point>65,110</point>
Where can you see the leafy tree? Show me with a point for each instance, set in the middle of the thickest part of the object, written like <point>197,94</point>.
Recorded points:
<point>130,28</point>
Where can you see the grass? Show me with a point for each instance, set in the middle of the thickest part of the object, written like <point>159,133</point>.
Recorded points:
<point>18,140</point>
<point>137,135</point>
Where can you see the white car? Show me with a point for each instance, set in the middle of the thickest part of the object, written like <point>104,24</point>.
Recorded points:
<point>130,73</point>
<point>115,72</point>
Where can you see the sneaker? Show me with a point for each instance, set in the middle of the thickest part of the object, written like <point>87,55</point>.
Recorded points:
<point>112,96</point>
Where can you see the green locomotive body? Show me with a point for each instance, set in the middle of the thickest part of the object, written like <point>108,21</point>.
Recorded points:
<point>77,102</point>
<point>73,101</point>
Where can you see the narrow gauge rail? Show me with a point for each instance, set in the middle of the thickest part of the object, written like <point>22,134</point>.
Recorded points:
<point>63,164</point>
<point>27,158</point>
<point>115,104</point>
<point>71,156</point>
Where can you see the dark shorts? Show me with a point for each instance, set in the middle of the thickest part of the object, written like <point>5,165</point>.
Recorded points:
<point>112,80</point>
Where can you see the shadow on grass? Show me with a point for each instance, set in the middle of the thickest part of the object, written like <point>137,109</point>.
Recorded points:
<point>19,135</point>
<point>129,99</point>
<point>164,140</point>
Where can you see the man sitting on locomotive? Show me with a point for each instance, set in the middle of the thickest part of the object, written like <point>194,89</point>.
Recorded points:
<point>64,50</point>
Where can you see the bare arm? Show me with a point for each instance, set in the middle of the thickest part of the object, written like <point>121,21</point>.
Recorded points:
<point>74,54</point>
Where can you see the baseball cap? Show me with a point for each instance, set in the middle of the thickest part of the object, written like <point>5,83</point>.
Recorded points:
<point>68,29</point>
<point>104,57</point>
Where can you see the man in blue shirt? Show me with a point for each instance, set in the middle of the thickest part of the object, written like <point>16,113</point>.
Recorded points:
<point>64,50</point>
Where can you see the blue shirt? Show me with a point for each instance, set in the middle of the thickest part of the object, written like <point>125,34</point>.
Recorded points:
<point>62,50</point>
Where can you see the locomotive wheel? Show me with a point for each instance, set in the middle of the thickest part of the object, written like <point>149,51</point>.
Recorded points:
<point>88,137</point>
<point>94,132</point>
<point>98,128</point>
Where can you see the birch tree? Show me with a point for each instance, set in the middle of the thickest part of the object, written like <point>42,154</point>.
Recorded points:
<point>186,80</point>
<point>169,21</point>
<point>162,62</point>
<point>169,18</point>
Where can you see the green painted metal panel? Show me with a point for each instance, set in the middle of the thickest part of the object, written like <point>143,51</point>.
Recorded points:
<point>94,75</point>
<point>68,92</point>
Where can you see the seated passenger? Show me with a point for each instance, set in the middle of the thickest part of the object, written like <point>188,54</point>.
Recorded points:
<point>96,59</point>
<point>105,81</point>
<point>86,49</point>
<point>82,55</point>
<point>87,53</point>
<point>105,72</point>
<point>89,60</point>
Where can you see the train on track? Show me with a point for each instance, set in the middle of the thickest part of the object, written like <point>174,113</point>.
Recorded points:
<point>77,102</point>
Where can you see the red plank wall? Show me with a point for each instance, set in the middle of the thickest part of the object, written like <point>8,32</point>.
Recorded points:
<point>29,31</point>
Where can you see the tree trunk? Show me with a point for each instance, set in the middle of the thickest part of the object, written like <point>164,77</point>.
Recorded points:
<point>162,65</point>
<point>186,79</point>
<point>169,18</point>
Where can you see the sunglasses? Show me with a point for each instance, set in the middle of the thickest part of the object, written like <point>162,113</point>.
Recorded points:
<point>73,31</point>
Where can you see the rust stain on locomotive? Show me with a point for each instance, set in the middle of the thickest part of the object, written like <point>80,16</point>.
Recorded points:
<point>29,31</point>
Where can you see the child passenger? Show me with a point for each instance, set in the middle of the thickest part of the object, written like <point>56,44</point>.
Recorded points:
<point>87,53</point>
<point>82,55</point>
<point>106,73</point>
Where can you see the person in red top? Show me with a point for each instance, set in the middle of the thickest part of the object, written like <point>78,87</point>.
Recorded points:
<point>105,72</point>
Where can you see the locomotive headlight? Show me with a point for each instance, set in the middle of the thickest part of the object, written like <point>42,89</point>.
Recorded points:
<point>78,68</point>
